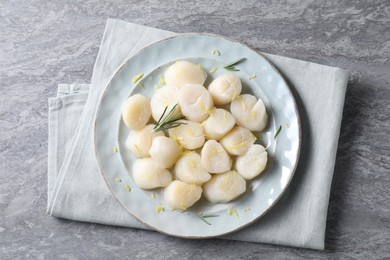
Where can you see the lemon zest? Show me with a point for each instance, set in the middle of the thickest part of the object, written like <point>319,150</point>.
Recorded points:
<point>252,76</point>
<point>191,132</point>
<point>137,77</point>
<point>200,68</point>
<point>235,95</point>
<point>232,211</point>
<point>153,195</point>
<point>127,187</point>
<point>213,70</point>
<point>115,149</point>
<point>159,209</point>
<point>236,146</point>
<point>287,125</point>
<point>118,180</point>
<point>182,206</point>
<point>139,84</point>
<point>162,80</point>
<point>260,166</point>
<point>137,149</point>
<point>202,107</point>
<point>253,115</point>
<point>215,52</point>
<point>217,151</point>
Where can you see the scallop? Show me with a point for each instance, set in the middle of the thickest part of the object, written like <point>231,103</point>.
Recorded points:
<point>140,141</point>
<point>167,96</point>
<point>224,187</point>
<point>225,88</point>
<point>218,124</point>
<point>195,102</point>
<point>253,162</point>
<point>183,72</point>
<point>189,135</point>
<point>249,112</point>
<point>215,158</point>
<point>164,151</point>
<point>136,112</point>
<point>238,140</point>
<point>190,169</point>
<point>148,175</point>
<point>181,195</point>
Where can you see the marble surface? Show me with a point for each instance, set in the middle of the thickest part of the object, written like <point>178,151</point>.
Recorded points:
<point>43,43</point>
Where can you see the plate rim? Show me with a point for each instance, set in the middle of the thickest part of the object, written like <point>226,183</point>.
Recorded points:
<point>298,151</point>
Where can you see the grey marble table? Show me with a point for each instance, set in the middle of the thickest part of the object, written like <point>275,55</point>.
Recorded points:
<point>43,43</point>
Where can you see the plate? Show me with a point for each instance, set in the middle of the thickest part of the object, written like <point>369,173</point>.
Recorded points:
<point>115,161</point>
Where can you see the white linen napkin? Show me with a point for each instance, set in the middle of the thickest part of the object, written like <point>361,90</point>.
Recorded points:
<point>77,191</point>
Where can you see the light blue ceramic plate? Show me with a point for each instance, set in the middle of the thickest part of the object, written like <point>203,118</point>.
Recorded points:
<point>262,192</point>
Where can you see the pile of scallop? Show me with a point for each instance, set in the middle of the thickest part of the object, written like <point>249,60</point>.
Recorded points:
<point>211,152</point>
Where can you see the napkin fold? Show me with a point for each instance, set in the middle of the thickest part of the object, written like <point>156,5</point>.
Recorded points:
<point>77,191</point>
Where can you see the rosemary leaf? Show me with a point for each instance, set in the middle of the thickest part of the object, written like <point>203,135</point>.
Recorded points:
<point>203,217</point>
<point>231,66</point>
<point>171,120</point>
<point>278,131</point>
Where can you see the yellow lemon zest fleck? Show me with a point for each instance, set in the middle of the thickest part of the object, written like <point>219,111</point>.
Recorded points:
<point>162,80</point>
<point>190,132</point>
<point>118,180</point>
<point>192,164</point>
<point>213,70</point>
<point>153,195</point>
<point>226,179</point>
<point>232,211</point>
<point>182,206</point>
<point>200,68</point>
<point>260,166</point>
<point>202,107</point>
<point>159,209</point>
<point>127,187</point>
<point>137,77</point>
<point>140,85</point>
<point>137,149</point>
<point>253,115</point>
<point>287,125</point>
<point>217,151</point>
<point>236,146</point>
<point>243,104</point>
<point>115,149</point>
<point>211,111</point>
<point>252,76</point>
<point>235,95</point>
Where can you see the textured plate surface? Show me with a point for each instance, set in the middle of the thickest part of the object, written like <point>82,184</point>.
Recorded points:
<point>262,192</point>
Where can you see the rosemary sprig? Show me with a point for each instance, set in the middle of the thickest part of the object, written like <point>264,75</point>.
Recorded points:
<point>278,131</point>
<point>203,217</point>
<point>170,121</point>
<point>232,66</point>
